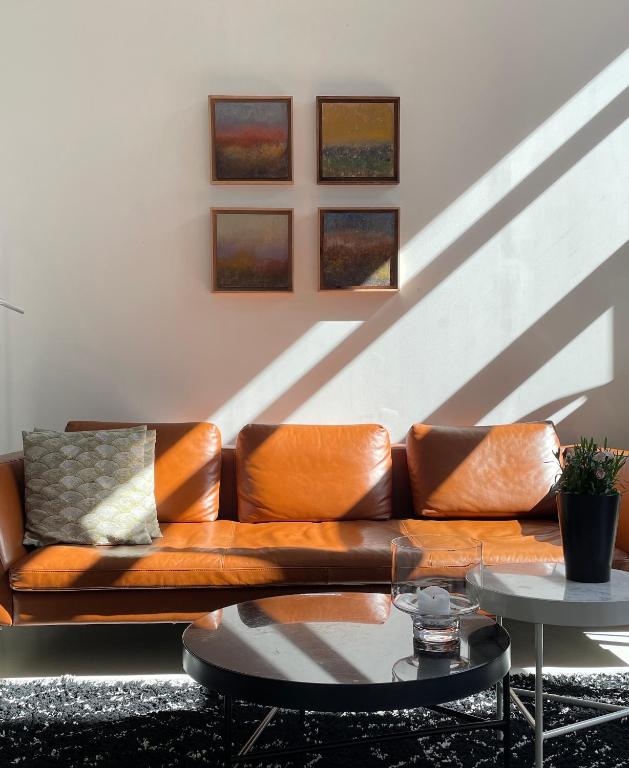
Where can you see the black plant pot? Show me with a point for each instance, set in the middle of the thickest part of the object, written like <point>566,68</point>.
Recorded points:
<point>588,533</point>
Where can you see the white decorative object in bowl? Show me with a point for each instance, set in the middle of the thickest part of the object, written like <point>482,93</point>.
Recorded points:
<point>429,582</point>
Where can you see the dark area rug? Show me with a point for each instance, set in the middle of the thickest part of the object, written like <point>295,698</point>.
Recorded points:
<point>73,722</point>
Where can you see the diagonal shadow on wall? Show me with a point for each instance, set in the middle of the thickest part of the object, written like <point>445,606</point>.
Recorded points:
<point>414,291</point>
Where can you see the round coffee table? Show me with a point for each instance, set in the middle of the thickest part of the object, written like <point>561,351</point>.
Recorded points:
<point>341,652</point>
<point>539,593</point>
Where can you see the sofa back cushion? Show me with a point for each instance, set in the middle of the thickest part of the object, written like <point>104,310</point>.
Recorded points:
<point>313,473</point>
<point>503,471</point>
<point>187,468</point>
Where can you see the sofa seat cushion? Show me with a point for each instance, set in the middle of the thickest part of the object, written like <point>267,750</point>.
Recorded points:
<point>504,541</point>
<point>507,541</point>
<point>230,554</point>
<point>220,554</point>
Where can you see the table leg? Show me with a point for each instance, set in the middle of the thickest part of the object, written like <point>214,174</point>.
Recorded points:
<point>499,693</point>
<point>539,695</point>
<point>506,704</point>
<point>227,731</point>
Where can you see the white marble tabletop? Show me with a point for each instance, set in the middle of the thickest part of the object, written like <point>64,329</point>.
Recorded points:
<point>541,594</point>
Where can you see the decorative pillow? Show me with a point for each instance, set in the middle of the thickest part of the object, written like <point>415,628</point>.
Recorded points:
<point>85,488</point>
<point>187,467</point>
<point>146,479</point>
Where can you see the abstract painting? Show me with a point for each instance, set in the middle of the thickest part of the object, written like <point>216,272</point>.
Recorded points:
<point>252,249</point>
<point>358,249</point>
<point>358,140</point>
<point>251,140</point>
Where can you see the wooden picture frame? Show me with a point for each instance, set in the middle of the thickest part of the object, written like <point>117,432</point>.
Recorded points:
<point>251,139</point>
<point>358,140</point>
<point>244,250</point>
<point>372,229</point>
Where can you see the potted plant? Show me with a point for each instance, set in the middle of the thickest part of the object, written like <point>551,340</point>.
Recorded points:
<point>588,502</point>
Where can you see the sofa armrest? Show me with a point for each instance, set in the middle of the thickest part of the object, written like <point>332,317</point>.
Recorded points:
<point>622,538</point>
<point>11,526</point>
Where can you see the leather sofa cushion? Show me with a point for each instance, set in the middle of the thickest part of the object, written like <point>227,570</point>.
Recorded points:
<point>187,468</point>
<point>230,554</point>
<point>503,471</point>
<point>220,554</point>
<point>313,473</point>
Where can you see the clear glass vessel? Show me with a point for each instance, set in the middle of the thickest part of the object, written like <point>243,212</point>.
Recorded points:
<point>428,581</point>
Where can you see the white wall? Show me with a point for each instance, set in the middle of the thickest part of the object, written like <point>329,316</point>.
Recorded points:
<point>514,214</point>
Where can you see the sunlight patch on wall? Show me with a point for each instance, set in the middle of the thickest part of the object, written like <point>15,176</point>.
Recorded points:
<point>586,363</point>
<point>286,369</point>
<point>494,297</point>
<point>503,177</point>
<point>523,269</point>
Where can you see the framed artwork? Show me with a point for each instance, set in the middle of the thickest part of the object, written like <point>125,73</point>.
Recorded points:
<point>252,249</point>
<point>358,249</point>
<point>251,139</point>
<point>358,140</point>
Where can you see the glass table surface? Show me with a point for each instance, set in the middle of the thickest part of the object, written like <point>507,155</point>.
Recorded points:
<point>338,638</point>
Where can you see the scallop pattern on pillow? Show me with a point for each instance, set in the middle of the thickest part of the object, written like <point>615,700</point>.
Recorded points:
<point>85,487</point>
<point>147,478</point>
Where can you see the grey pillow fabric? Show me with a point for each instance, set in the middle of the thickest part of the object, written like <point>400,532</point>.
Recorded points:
<point>89,487</point>
<point>148,479</point>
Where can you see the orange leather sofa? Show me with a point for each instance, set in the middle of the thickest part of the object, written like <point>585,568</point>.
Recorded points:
<point>289,509</point>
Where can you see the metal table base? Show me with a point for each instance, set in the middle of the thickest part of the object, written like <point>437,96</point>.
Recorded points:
<point>464,722</point>
<point>613,711</point>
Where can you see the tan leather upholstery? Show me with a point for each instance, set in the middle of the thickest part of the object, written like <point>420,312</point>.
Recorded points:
<point>11,526</point>
<point>313,473</point>
<point>229,554</point>
<point>211,620</point>
<point>143,605</point>
<point>504,471</point>
<point>402,496</point>
<point>6,601</point>
<point>200,567</point>
<point>622,538</point>
<point>187,468</point>
<point>352,607</point>
<point>228,504</point>
<point>11,509</point>
<point>401,491</point>
<point>220,554</point>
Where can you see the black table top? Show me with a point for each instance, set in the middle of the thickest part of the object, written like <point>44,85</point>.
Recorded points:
<point>336,652</point>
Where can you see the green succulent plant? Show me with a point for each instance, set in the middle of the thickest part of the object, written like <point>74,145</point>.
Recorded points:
<point>587,468</point>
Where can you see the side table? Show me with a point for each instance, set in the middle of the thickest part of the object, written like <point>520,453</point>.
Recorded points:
<point>539,593</point>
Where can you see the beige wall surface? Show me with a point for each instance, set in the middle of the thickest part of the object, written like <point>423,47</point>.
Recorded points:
<point>514,200</point>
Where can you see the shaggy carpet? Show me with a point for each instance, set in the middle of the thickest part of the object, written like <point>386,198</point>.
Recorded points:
<point>173,722</point>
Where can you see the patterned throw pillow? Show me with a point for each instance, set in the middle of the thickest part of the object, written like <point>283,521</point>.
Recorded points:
<point>147,478</point>
<point>85,487</point>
